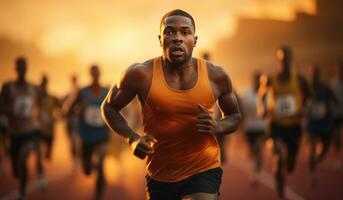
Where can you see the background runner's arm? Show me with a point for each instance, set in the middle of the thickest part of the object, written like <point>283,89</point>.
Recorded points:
<point>305,88</point>
<point>4,98</point>
<point>71,102</point>
<point>240,104</point>
<point>57,108</point>
<point>261,96</point>
<point>57,103</point>
<point>333,97</point>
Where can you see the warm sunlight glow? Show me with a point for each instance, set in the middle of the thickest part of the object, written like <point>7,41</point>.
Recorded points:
<point>112,169</point>
<point>282,10</point>
<point>79,33</point>
<point>67,37</point>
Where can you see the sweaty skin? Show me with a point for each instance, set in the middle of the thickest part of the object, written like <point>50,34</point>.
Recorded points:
<point>177,40</point>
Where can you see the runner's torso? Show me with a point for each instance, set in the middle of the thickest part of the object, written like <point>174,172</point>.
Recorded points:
<point>92,128</point>
<point>285,101</point>
<point>170,115</point>
<point>22,115</point>
<point>251,120</point>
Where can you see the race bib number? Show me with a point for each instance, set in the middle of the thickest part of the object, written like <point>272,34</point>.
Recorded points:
<point>285,106</point>
<point>23,106</point>
<point>93,116</point>
<point>317,110</point>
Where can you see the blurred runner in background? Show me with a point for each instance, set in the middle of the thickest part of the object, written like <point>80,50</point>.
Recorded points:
<point>319,121</point>
<point>19,101</point>
<point>49,105</point>
<point>93,132</point>
<point>253,125</point>
<point>71,113</point>
<point>287,91</point>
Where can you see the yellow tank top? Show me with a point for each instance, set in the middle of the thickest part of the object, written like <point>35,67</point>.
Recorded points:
<point>285,101</point>
<point>170,116</point>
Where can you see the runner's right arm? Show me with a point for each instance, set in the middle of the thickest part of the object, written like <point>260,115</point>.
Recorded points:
<point>4,98</point>
<point>71,102</point>
<point>119,96</point>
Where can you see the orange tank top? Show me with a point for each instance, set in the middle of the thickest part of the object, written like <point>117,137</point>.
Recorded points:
<point>170,116</point>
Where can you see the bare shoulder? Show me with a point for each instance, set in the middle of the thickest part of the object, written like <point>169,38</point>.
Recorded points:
<point>219,77</point>
<point>4,90</point>
<point>137,77</point>
<point>139,71</point>
<point>7,84</point>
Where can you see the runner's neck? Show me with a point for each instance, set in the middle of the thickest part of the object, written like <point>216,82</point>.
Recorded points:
<point>179,69</point>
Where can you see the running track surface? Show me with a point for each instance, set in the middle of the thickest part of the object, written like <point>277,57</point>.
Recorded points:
<point>125,176</point>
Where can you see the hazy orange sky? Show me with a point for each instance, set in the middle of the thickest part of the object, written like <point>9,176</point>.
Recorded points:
<point>118,33</point>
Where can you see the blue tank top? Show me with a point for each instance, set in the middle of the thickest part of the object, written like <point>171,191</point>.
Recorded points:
<point>92,128</point>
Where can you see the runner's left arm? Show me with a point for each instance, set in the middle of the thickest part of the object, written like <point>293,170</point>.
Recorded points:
<point>228,104</point>
<point>305,88</point>
<point>4,98</point>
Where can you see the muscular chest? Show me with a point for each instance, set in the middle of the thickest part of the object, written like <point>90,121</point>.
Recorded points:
<point>181,82</point>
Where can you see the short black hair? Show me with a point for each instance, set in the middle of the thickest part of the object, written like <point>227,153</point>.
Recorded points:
<point>21,60</point>
<point>177,12</point>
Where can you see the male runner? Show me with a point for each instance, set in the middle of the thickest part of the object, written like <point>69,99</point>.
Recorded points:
<point>253,125</point>
<point>70,113</point>
<point>47,115</point>
<point>177,93</point>
<point>319,121</point>
<point>93,132</point>
<point>287,91</point>
<point>19,102</point>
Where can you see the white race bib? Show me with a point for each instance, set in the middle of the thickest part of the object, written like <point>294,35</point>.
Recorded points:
<point>318,110</point>
<point>23,106</point>
<point>93,116</point>
<point>285,106</point>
